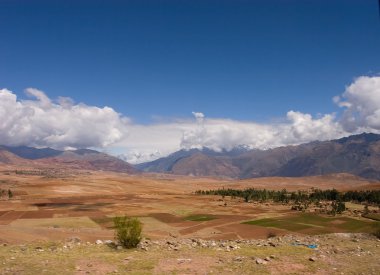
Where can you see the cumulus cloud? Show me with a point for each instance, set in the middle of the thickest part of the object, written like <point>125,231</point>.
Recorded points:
<point>219,134</point>
<point>361,103</point>
<point>149,142</point>
<point>62,123</point>
<point>42,122</point>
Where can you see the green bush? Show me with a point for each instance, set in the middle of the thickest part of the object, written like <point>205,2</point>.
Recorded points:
<point>127,231</point>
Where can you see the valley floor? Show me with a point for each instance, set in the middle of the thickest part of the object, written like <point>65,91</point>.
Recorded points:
<point>51,223</point>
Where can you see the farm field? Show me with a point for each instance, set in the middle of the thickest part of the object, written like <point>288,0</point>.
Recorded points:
<point>83,205</point>
<point>51,226</point>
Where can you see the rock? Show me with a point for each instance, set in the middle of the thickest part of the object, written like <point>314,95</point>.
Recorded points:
<point>312,259</point>
<point>119,247</point>
<point>238,259</point>
<point>39,249</point>
<point>181,261</point>
<point>267,259</point>
<point>99,242</point>
<point>260,261</point>
<point>73,240</point>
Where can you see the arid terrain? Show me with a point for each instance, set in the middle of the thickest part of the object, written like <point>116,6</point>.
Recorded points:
<point>51,209</point>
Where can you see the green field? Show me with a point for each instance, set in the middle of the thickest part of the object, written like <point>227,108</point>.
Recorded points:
<point>200,218</point>
<point>315,224</point>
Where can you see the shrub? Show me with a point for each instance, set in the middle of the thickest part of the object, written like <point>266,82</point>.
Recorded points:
<point>127,231</point>
<point>271,234</point>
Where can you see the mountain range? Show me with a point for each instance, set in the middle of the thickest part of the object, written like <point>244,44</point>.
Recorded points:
<point>358,155</point>
<point>74,159</point>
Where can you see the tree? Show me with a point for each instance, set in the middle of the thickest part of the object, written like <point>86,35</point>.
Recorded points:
<point>340,207</point>
<point>337,207</point>
<point>127,231</point>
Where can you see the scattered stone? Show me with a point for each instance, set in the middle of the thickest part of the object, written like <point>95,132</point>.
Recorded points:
<point>312,259</point>
<point>73,240</point>
<point>260,261</point>
<point>181,261</point>
<point>39,249</point>
<point>238,259</point>
<point>99,242</point>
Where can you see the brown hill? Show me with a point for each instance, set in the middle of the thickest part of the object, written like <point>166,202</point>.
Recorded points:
<point>200,164</point>
<point>77,159</point>
<point>7,157</point>
<point>358,155</point>
<point>89,160</point>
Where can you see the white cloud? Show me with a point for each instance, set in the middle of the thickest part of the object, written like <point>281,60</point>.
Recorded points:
<point>41,122</point>
<point>361,101</point>
<point>150,142</point>
<point>198,116</point>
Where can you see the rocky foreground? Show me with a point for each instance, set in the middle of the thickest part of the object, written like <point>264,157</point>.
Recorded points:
<point>323,254</point>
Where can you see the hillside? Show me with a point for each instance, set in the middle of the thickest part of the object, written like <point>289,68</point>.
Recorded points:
<point>75,159</point>
<point>358,155</point>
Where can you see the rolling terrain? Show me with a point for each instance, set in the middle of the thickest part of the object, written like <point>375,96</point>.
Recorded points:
<point>358,155</point>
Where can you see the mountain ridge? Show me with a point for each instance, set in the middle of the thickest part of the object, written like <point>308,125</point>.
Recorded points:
<point>86,159</point>
<point>357,154</point>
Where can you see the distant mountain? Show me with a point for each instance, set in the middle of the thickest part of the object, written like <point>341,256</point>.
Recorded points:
<point>8,157</point>
<point>166,164</point>
<point>31,152</point>
<point>74,159</point>
<point>358,155</point>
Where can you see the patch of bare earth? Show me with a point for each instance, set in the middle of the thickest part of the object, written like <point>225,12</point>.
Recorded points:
<point>93,266</point>
<point>185,265</point>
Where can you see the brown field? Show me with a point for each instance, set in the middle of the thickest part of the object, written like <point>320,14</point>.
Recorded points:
<point>83,205</point>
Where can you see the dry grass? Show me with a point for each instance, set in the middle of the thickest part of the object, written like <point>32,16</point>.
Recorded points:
<point>53,258</point>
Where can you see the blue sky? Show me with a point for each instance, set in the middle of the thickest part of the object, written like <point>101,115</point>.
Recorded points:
<point>155,62</point>
<point>246,60</point>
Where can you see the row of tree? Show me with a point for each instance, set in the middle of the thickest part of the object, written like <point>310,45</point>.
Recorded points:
<point>284,196</point>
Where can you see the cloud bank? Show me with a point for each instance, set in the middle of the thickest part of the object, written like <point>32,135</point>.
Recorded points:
<point>63,124</point>
<point>41,122</point>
